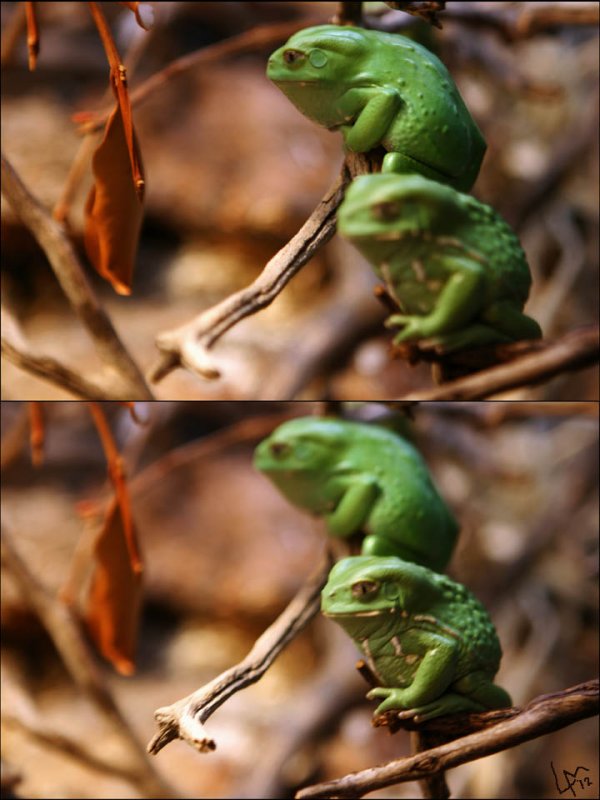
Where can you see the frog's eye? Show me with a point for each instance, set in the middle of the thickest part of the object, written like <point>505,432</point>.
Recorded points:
<point>317,58</point>
<point>279,449</point>
<point>387,210</point>
<point>364,588</point>
<point>291,56</point>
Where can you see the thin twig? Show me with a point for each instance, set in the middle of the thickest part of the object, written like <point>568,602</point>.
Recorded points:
<point>575,350</point>
<point>54,372</point>
<point>184,718</point>
<point>70,275</point>
<point>543,715</point>
<point>348,13</point>
<point>64,631</point>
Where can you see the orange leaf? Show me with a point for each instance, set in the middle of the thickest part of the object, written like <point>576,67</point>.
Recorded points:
<point>117,476</point>
<point>33,37</point>
<point>113,209</point>
<point>36,434</point>
<point>115,597</point>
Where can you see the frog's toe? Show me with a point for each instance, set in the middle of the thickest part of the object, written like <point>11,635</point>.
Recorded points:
<point>408,713</point>
<point>395,320</point>
<point>379,691</point>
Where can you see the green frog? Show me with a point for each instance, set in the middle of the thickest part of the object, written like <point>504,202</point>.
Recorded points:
<point>382,89</point>
<point>452,264</point>
<point>426,639</point>
<point>361,477</point>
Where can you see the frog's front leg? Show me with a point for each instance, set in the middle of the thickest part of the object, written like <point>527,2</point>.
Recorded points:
<point>458,302</point>
<point>354,507</point>
<point>372,112</point>
<point>433,676</point>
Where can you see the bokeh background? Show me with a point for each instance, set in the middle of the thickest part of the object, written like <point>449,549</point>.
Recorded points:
<point>233,170</point>
<point>225,553</point>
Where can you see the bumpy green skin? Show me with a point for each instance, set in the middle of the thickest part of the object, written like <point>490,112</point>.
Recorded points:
<point>428,641</point>
<point>361,478</point>
<point>453,265</point>
<point>382,89</point>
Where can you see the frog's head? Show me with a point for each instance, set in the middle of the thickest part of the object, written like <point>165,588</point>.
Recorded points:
<point>366,591</point>
<point>387,207</point>
<point>299,456</point>
<point>325,56</point>
<point>305,444</point>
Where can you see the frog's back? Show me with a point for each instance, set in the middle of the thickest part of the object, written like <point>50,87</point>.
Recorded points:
<point>460,610</point>
<point>410,511</point>
<point>507,268</point>
<point>434,126</point>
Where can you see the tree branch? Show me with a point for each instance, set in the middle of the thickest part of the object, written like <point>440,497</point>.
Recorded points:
<point>72,279</point>
<point>184,718</point>
<point>545,360</point>
<point>188,344</point>
<point>543,715</point>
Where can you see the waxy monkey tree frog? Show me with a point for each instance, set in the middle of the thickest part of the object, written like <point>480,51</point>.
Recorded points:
<point>361,477</point>
<point>452,264</point>
<point>426,639</point>
<point>382,89</point>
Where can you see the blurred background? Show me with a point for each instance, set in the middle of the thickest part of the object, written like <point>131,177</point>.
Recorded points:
<point>233,170</point>
<point>224,554</point>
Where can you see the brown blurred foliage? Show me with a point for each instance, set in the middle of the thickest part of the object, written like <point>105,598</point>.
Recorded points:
<point>233,170</point>
<point>224,553</point>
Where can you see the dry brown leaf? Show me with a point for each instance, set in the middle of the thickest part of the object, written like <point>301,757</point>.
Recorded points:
<point>114,207</point>
<point>114,601</point>
<point>36,432</point>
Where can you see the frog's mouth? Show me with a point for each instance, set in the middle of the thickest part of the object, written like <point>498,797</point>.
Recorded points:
<point>372,613</point>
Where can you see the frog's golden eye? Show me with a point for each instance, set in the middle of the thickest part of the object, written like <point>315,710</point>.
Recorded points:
<point>291,56</point>
<point>364,588</point>
<point>389,210</point>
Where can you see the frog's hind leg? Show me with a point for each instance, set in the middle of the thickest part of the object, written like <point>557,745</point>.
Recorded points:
<point>507,319</point>
<point>478,687</point>
<point>401,164</point>
<point>380,546</point>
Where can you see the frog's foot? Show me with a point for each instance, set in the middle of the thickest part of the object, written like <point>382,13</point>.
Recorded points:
<point>449,703</point>
<point>393,698</point>
<point>508,320</point>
